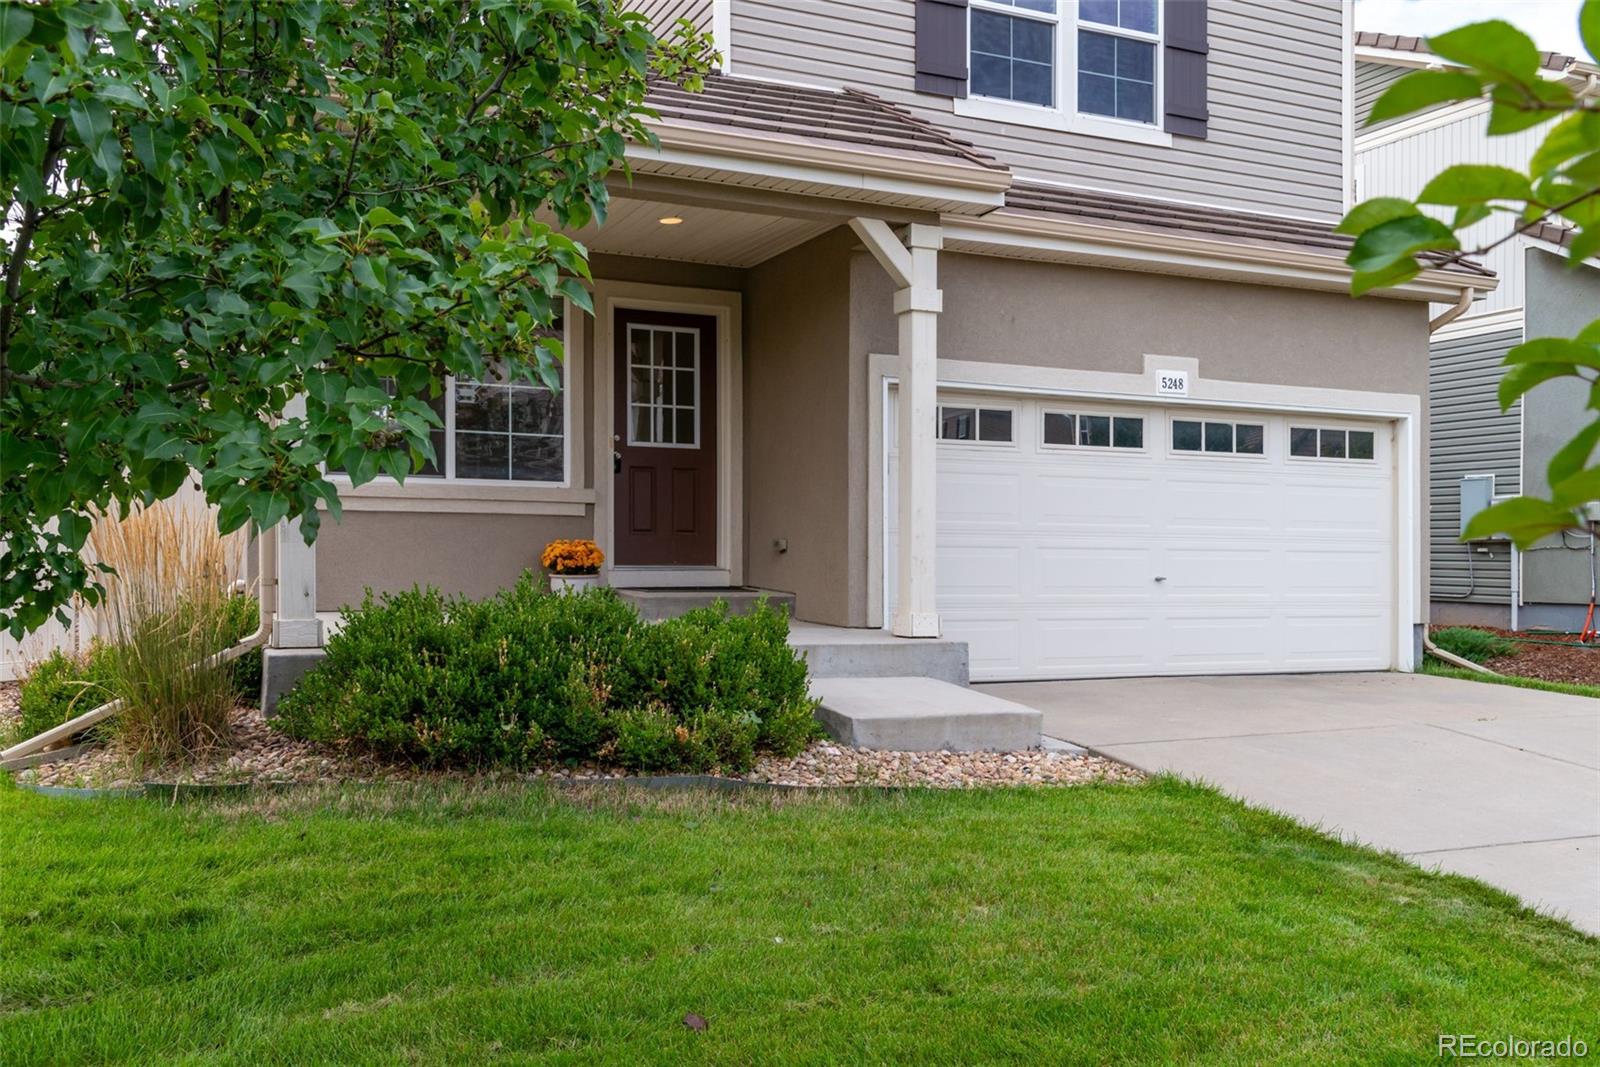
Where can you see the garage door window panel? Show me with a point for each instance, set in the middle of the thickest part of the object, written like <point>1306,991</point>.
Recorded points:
<point>1324,443</point>
<point>1063,429</point>
<point>971,424</point>
<point>1219,438</point>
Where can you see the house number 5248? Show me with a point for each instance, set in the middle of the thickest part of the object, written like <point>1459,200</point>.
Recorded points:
<point>1172,382</point>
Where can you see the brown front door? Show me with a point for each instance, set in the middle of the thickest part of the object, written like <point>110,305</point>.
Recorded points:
<point>666,440</point>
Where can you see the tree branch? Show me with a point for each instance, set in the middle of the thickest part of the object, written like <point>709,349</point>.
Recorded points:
<point>19,251</point>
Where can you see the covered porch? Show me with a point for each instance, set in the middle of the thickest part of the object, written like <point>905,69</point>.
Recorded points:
<point>713,432</point>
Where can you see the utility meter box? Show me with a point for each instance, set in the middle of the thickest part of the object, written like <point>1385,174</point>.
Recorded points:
<point>1477,493</point>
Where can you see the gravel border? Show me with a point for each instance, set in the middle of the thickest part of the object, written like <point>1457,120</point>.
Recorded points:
<point>258,756</point>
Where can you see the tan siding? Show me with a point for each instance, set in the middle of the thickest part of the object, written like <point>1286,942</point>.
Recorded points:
<point>1274,92</point>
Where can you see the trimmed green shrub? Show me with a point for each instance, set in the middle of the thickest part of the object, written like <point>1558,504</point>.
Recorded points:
<point>527,676</point>
<point>1477,645</point>
<point>61,686</point>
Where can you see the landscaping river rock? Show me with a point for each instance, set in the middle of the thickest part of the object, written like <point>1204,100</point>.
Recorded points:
<point>257,754</point>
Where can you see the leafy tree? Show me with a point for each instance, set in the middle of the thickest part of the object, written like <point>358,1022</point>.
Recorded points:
<point>214,206</point>
<point>1561,183</point>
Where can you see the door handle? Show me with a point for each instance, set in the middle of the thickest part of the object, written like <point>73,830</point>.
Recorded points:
<point>616,462</point>
<point>1161,577</point>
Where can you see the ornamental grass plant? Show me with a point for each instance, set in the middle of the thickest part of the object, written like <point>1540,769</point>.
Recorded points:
<point>168,610</point>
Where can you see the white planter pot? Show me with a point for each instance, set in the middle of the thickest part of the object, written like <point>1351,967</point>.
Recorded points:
<point>573,583</point>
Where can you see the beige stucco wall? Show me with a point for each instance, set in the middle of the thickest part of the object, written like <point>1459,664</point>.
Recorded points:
<point>796,428</point>
<point>1085,318</point>
<point>477,553</point>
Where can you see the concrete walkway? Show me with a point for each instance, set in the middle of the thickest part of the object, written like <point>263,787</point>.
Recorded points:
<point>1497,783</point>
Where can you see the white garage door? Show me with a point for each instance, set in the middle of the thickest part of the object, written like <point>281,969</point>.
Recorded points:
<point>1090,540</point>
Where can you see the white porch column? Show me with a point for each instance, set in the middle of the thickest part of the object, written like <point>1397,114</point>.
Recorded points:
<point>295,623</point>
<point>914,266</point>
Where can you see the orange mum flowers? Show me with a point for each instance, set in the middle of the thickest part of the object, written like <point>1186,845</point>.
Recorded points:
<point>572,557</point>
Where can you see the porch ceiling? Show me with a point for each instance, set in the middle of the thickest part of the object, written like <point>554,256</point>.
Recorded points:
<point>706,235</point>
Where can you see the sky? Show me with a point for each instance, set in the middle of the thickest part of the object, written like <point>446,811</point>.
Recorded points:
<point>1553,24</point>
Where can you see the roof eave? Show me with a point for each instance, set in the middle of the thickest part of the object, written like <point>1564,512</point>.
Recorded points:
<point>1174,253</point>
<point>958,187</point>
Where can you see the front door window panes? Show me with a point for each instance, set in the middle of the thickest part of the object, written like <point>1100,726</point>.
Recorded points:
<point>663,385</point>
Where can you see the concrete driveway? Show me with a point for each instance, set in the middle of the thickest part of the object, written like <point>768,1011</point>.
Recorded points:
<point>1498,783</point>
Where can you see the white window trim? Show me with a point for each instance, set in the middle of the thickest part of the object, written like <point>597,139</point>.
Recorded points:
<point>1077,413</point>
<point>656,409</point>
<point>1235,423</point>
<point>445,492</point>
<point>1064,115</point>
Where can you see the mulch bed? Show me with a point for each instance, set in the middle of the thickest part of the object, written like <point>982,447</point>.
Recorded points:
<point>257,755</point>
<point>1563,660</point>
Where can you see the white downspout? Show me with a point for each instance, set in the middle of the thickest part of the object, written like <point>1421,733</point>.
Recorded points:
<point>1455,312</point>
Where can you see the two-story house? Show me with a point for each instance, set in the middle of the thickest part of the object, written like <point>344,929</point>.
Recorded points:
<point>1479,451</point>
<point>1018,322</point>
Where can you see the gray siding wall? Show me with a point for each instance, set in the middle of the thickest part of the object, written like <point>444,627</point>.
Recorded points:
<point>1273,80</point>
<point>1469,434</point>
<point>1371,81</point>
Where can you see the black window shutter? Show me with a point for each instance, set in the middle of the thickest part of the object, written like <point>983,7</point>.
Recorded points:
<point>942,47</point>
<point>1184,67</point>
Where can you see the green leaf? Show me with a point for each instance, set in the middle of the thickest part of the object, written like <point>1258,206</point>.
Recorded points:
<point>1589,28</point>
<point>15,22</point>
<point>1495,46</point>
<point>382,216</point>
<point>305,285</point>
<point>90,119</point>
<point>122,94</point>
<point>1397,273</point>
<point>73,529</point>
<point>1524,519</point>
<point>1574,455</point>
<point>1369,213</point>
<point>1518,380</point>
<point>1474,183</point>
<point>1577,489</point>
<point>1555,350</point>
<point>1423,89</point>
<point>241,131</point>
<point>1585,245</point>
<point>1397,239</point>
<point>1573,136</point>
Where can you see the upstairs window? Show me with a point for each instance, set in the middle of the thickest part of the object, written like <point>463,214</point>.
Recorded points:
<point>1078,57</point>
<point>1117,42</point>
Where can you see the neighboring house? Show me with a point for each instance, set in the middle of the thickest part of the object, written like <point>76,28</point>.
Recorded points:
<point>1086,245</point>
<point>1538,296</point>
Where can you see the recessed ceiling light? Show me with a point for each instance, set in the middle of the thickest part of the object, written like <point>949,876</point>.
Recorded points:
<point>670,220</point>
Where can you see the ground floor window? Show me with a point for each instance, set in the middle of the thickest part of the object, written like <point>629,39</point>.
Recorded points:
<point>501,430</point>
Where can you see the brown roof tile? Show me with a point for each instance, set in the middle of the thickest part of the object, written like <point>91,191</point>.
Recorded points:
<point>848,116</point>
<point>1238,226</point>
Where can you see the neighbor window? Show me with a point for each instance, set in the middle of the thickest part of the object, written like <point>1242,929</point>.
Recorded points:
<point>1308,442</point>
<point>1093,431</point>
<point>971,423</point>
<point>1242,438</point>
<point>501,430</point>
<point>1092,57</point>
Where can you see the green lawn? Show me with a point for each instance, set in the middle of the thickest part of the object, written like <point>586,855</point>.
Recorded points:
<point>1132,924</point>
<point>1433,666</point>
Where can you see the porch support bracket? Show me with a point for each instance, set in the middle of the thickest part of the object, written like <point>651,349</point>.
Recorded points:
<point>914,267</point>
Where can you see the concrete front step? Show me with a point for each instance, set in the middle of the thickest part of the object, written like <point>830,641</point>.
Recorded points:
<point>854,652</point>
<point>656,604</point>
<point>907,714</point>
